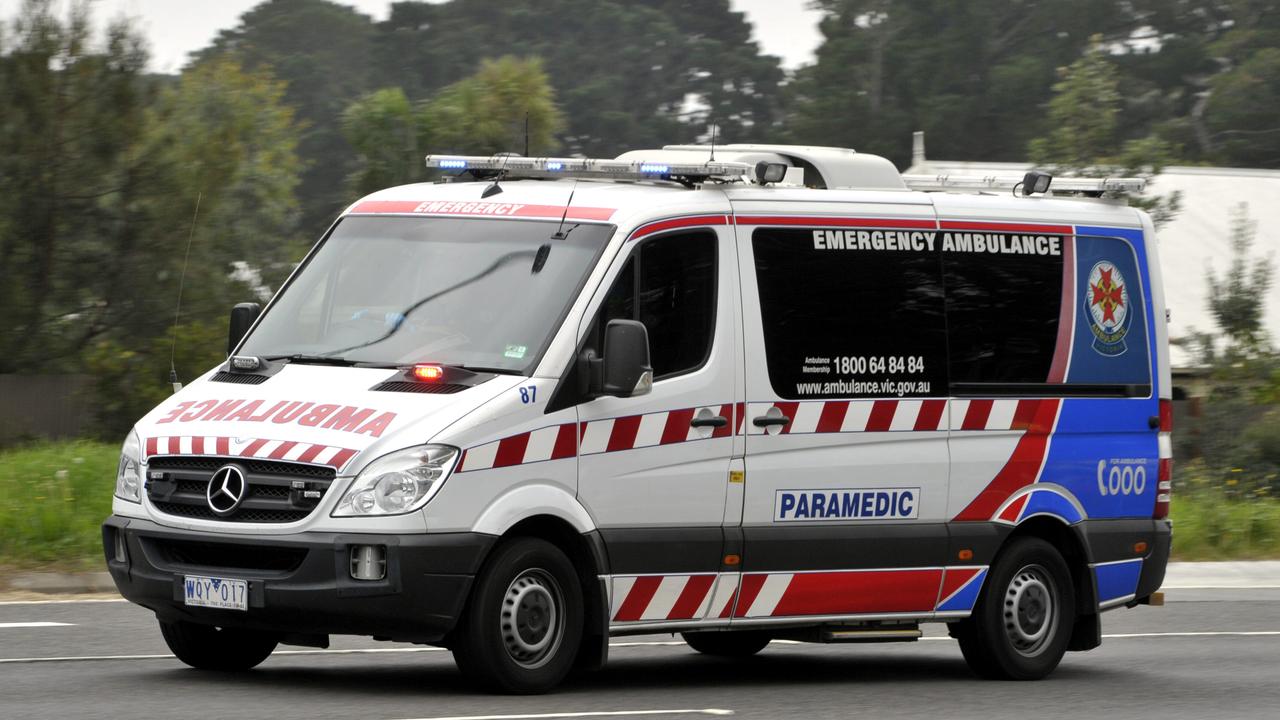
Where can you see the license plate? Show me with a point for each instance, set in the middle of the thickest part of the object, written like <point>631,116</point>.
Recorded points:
<point>215,592</point>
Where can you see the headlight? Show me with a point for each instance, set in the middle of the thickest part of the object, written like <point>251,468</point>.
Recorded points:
<point>398,483</point>
<point>129,472</point>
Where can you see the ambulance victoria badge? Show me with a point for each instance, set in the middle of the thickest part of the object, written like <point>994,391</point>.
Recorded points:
<point>1107,305</point>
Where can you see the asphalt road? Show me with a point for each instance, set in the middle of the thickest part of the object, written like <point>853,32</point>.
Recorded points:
<point>1207,653</point>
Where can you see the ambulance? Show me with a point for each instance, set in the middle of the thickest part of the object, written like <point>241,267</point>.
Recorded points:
<point>747,393</point>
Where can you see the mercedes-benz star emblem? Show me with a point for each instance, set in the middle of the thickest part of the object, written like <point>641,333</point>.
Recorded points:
<point>226,490</point>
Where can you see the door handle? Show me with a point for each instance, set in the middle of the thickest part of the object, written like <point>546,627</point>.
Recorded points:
<point>715,421</point>
<point>771,420</point>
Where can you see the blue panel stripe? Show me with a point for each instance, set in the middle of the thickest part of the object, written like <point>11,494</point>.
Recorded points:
<point>1117,580</point>
<point>966,597</point>
<point>1045,501</point>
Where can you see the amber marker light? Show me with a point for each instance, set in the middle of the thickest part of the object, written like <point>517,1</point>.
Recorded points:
<point>732,560</point>
<point>965,555</point>
<point>428,373</point>
<point>1139,548</point>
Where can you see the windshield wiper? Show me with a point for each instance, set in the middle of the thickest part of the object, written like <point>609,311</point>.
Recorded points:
<point>494,370</point>
<point>301,359</point>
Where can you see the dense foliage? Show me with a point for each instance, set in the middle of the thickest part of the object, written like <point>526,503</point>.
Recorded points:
<point>107,172</point>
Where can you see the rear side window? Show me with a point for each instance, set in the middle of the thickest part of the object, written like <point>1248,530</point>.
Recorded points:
<point>841,322</point>
<point>1002,316</point>
<point>669,284</point>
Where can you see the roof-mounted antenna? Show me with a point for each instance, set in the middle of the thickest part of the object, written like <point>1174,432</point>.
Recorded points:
<point>560,233</point>
<point>713,143</point>
<point>526,133</point>
<point>177,311</point>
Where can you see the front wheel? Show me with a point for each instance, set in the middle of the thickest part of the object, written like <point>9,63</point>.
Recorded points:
<point>1023,620</point>
<point>523,625</point>
<point>206,647</point>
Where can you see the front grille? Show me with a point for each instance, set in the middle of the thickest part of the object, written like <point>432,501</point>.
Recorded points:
<point>276,492</point>
<point>238,378</point>
<point>419,387</point>
<point>194,553</point>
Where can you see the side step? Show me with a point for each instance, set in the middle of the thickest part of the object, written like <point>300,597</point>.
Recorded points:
<point>854,634</point>
<point>906,634</point>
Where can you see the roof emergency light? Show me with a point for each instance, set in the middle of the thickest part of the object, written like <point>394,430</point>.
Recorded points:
<point>512,166</point>
<point>978,183</point>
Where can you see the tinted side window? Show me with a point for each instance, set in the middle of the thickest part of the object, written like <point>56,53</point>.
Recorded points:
<point>841,322</point>
<point>1002,316</point>
<point>669,284</point>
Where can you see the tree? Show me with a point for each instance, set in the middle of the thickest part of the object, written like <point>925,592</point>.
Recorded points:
<point>484,114</point>
<point>68,182</point>
<point>627,74</point>
<point>487,112</point>
<point>323,52</point>
<point>383,128</point>
<point>972,74</point>
<point>101,171</point>
<point>1084,132</point>
<point>1242,113</point>
<point>1238,297</point>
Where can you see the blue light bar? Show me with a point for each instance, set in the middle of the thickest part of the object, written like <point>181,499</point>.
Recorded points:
<point>514,166</point>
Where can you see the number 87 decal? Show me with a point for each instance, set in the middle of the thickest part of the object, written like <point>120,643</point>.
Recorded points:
<point>529,394</point>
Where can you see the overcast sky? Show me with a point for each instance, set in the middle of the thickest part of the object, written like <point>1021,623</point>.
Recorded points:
<point>786,28</point>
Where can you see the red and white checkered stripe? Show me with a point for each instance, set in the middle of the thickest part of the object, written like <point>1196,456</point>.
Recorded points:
<point>655,598</point>
<point>598,436</point>
<point>839,592</point>
<point>285,450</point>
<point>843,416</point>
<point>667,427</point>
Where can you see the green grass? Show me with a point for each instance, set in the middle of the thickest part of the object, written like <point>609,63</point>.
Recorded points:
<point>53,499</point>
<point>1209,526</point>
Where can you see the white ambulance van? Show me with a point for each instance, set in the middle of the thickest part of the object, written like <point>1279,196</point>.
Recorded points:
<point>784,392</point>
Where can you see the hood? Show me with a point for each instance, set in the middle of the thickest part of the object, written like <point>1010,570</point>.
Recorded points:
<point>305,413</point>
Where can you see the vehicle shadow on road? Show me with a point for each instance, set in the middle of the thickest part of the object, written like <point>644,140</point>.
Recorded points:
<point>435,674</point>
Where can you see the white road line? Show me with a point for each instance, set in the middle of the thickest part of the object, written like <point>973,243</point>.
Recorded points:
<point>649,643</point>
<point>604,713</point>
<point>34,625</point>
<point>1226,633</point>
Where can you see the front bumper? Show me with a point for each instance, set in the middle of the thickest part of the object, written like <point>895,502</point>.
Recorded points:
<point>300,585</point>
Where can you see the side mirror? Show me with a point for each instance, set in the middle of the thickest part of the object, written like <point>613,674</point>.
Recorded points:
<point>242,317</point>
<point>626,371</point>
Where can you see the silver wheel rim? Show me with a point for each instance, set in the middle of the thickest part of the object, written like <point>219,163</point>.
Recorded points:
<point>1030,610</point>
<point>531,620</point>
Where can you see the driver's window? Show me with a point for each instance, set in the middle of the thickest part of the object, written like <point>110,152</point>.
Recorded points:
<point>669,284</point>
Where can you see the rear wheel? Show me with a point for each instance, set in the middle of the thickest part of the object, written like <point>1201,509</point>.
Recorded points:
<point>737,643</point>
<point>1022,623</point>
<point>206,647</point>
<point>523,624</point>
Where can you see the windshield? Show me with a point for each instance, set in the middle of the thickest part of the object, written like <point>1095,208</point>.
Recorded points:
<point>484,294</point>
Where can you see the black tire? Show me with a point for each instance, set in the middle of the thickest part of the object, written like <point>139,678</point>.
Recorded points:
<point>1022,623</point>
<point>734,643</point>
<point>523,624</point>
<point>206,647</point>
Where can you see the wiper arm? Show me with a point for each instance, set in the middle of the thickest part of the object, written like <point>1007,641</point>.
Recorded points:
<point>494,370</point>
<point>300,359</point>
